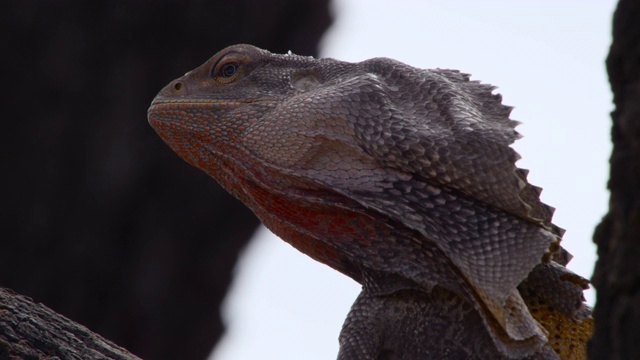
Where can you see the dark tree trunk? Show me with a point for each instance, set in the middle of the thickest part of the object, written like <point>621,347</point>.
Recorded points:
<point>617,273</point>
<point>100,220</point>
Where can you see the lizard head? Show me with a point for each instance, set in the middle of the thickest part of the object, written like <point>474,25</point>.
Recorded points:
<point>200,109</point>
<point>205,113</point>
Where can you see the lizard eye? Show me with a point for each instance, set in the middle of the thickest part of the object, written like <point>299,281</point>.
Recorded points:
<point>231,67</point>
<point>228,70</point>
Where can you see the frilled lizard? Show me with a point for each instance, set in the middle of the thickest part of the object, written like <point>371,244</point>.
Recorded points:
<point>402,179</point>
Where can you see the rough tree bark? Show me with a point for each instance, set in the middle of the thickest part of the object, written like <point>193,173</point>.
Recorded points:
<point>33,331</point>
<point>617,272</point>
<point>100,220</point>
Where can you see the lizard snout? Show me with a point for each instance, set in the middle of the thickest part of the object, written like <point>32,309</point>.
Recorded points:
<point>177,87</point>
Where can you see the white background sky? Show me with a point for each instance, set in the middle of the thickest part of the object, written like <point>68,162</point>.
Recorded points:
<point>546,57</point>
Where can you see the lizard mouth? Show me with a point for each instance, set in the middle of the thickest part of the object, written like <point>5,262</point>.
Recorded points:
<point>176,104</point>
<point>166,110</point>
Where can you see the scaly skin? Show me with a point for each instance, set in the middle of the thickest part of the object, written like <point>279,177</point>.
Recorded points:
<point>400,178</point>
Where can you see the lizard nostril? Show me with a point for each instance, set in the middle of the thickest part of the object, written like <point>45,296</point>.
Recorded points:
<point>177,86</point>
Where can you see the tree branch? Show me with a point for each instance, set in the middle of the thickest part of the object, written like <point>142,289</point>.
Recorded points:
<point>33,331</point>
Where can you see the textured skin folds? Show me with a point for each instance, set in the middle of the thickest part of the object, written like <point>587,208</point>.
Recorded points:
<point>401,178</point>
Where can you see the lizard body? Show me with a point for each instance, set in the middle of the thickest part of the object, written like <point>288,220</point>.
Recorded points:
<point>401,178</point>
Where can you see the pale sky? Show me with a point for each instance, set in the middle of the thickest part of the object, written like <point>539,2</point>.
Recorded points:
<point>547,59</point>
